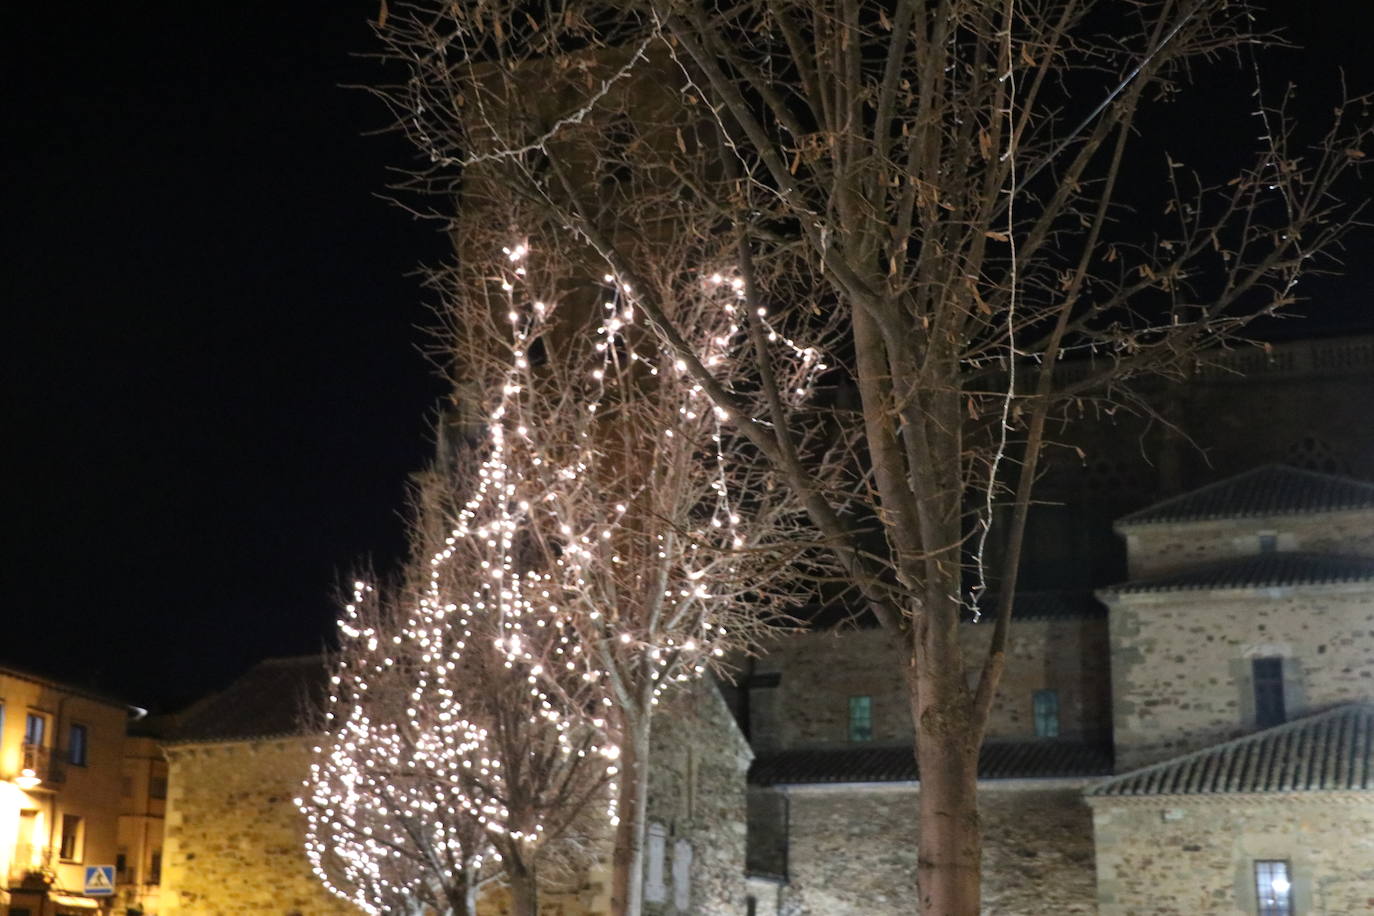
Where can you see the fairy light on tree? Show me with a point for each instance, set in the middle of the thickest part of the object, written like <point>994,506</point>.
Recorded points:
<point>945,200</point>
<point>445,764</point>
<point>661,553</point>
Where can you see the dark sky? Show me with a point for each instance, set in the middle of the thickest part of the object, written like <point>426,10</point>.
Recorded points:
<point>212,385</point>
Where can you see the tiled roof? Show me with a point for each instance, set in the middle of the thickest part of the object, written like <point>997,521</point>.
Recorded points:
<point>1037,759</point>
<point>1329,752</point>
<point>1047,605</point>
<point>270,700</point>
<point>1273,489</point>
<point>1260,570</point>
<point>1029,606</point>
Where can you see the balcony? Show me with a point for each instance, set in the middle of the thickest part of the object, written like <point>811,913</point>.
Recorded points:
<point>32,866</point>
<point>46,764</point>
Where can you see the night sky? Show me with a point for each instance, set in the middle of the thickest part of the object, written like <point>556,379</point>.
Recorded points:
<point>213,388</point>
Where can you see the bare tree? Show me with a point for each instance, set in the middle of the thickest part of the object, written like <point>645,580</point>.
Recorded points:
<point>381,833</point>
<point>944,199</point>
<point>446,766</point>
<point>663,545</point>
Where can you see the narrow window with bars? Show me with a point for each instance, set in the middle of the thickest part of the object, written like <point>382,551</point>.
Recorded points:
<point>1273,888</point>
<point>1266,675</point>
<point>860,718</point>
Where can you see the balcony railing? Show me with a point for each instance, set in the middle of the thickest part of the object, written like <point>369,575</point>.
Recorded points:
<point>31,864</point>
<point>46,763</point>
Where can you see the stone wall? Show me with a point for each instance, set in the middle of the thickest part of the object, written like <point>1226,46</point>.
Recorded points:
<point>1195,857</point>
<point>1181,661</point>
<point>697,804</point>
<point>852,850</point>
<point>234,837</point>
<point>818,673</point>
<point>1163,548</point>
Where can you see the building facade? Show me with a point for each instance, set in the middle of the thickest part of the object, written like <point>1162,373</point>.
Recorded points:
<point>61,763</point>
<point>1199,742</point>
<point>235,840</point>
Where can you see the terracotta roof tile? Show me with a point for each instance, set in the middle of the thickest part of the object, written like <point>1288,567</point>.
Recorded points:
<point>1034,759</point>
<point>270,700</point>
<point>1273,489</point>
<point>1332,751</point>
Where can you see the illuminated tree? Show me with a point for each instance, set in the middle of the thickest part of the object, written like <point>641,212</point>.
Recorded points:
<point>662,544</point>
<point>383,831</point>
<point>445,764</point>
<point>944,183</point>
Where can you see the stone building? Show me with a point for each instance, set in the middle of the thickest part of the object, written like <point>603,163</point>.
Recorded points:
<point>1228,685</point>
<point>834,790</point>
<point>235,839</point>
<point>1242,659</point>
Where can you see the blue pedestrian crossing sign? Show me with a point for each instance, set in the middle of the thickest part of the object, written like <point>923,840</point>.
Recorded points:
<point>99,881</point>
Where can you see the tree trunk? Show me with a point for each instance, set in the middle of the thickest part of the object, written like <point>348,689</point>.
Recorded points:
<point>627,887</point>
<point>524,889</point>
<point>462,894</point>
<point>949,851</point>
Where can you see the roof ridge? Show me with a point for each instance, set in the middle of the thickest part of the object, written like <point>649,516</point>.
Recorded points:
<point>1334,712</point>
<point>1148,514</point>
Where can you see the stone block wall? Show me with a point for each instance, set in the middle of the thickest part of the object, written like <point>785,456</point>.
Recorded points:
<point>234,839</point>
<point>1195,857</point>
<point>818,673</point>
<point>852,850</point>
<point>1181,662</point>
<point>697,801</point>
<point>1163,548</point>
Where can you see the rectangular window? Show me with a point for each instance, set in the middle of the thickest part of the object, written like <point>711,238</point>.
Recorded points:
<point>1268,543</point>
<point>1273,888</point>
<point>35,727</point>
<point>860,718</point>
<point>155,867</point>
<point>1266,674</point>
<point>157,787</point>
<point>70,850</point>
<point>76,746</point>
<point>655,886</point>
<point>1045,705</point>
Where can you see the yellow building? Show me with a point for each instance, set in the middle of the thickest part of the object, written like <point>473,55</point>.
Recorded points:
<point>61,767</point>
<point>143,807</point>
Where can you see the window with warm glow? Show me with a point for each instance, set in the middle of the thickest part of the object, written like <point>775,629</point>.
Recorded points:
<point>1273,888</point>
<point>70,850</point>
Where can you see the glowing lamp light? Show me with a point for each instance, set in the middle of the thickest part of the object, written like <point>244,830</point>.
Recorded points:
<point>1280,884</point>
<point>27,779</point>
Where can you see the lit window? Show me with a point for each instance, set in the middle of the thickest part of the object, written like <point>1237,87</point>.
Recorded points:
<point>1273,888</point>
<point>1266,675</point>
<point>1045,705</point>
<point>860,718</point>
<point>76,746</point>
<point>70,850</point>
